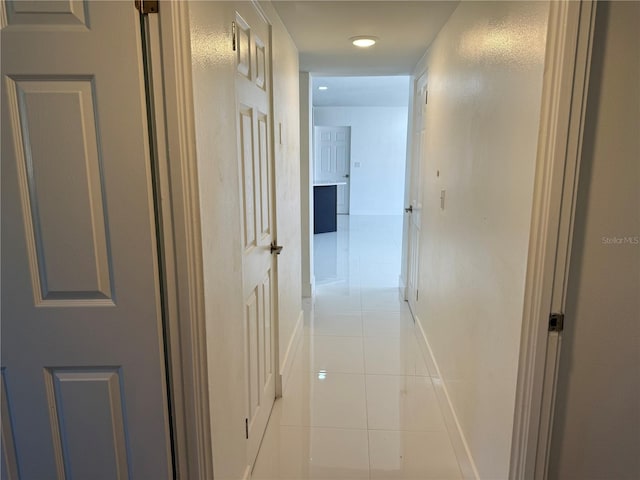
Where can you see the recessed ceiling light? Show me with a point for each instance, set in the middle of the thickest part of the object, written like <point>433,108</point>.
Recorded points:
<point>323,87</point>
<point>363,41</point>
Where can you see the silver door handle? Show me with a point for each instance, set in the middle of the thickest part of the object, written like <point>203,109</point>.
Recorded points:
<point>409,209</point>
<point>276,248</point>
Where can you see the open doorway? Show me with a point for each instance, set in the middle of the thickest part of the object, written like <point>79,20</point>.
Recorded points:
<point>360,393</point>
<point>359,156</point>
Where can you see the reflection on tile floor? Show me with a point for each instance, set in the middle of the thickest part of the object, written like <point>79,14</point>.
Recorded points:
<point>359,402</point>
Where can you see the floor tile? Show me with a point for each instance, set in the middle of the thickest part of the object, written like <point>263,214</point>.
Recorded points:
<point>379,276</point>
<point>341,288</point>
<point>382,299</point>
<point>358,402</point>
<point>337,304</point>
<point>311,452</point>
<point>335,354</point>
<point>402,403</point>
<point>412,456</point>
<point>322,399</point>
<point>338,324</point>
<point>393,356</point>
<point>387,323</point>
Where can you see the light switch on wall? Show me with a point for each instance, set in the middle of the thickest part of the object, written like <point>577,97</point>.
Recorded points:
<point>356,164</point>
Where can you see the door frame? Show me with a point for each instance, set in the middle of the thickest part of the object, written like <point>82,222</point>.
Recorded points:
<point>565,88</point>
<point>411,126</point>
<point>568,50</point>
<point>178,207</point>
<point>413,165</point>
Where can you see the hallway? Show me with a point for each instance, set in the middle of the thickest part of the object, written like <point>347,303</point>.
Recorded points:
<point>360,401</point>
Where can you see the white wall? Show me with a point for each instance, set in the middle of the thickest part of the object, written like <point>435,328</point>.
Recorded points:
<point>596,432</point>
<point>213,68</point>
<point>286,104</point>
<point>485,72</point>
<point>306,182</point>
<point>378,142</point>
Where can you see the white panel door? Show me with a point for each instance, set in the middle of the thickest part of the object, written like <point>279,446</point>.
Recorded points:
<point>83,374</point>
<point>253,84</point>
<point>415,195</point>
<point>333,161</point>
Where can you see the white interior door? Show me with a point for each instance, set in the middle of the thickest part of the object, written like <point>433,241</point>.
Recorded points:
<point>333,161</point>
<point>82,343</point>
<point>415,207</point>
<point>253,84</point>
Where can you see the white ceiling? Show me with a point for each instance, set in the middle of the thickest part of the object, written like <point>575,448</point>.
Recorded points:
<point>321,31</point>
<point>361,91</point>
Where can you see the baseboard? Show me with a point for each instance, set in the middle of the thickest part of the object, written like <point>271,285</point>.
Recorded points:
<point>458,440</point>
<point>289,356</point>
<point>247,473</point>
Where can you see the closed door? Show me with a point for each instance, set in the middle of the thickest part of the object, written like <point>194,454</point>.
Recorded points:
<point>253,84</point>
<point>415,194</point>
<point>333,161</point>
<point>83,378</point>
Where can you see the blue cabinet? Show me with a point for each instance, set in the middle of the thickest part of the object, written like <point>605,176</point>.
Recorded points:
<point>324,208</point>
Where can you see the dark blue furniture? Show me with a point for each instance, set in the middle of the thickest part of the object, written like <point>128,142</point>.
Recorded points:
<point>324,208</point>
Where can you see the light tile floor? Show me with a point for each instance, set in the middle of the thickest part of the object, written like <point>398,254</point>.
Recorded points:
<point>359,402</point>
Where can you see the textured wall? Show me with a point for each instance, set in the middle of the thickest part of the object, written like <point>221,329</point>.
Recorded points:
<point>306,182</point>
<point>485,80</point>
<point>213,65</point>
<point>287,176</point>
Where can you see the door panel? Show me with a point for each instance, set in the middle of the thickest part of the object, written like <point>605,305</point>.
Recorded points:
<point>253,83</point>
<point>82,341</point>
<point>55,13</point>
<point>82,399</point>
<point>333,161</point>
<point>74,185</point>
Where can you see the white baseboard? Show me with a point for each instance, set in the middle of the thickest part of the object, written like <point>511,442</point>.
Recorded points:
<point>458,440</point>
<point>289,356</point>
<point>247,473</point>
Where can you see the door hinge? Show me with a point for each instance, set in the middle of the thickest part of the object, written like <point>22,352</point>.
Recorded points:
<point>417,294</point>
<point>147,6</point>
<point>246,428</point>
<point>426,97</point>
<point>233,35</point>
<point>556,322</point>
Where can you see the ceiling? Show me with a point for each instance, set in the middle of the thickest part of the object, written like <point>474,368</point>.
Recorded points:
<point>321,31</point>
<point>361,91</point>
